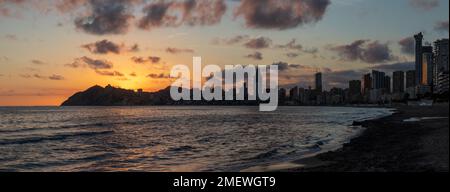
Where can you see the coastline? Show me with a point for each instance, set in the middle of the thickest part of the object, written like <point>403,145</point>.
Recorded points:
<point>388,144</point>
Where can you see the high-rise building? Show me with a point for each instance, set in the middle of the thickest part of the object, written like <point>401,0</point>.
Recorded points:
<point>427,66</point>
<point>441,66</point>
<point>367,83</point>
<point>354,87</point>
<point>387,84</point>
<point>410,78</point>
<point>418,39</point>
<point>398,83</point>
<point>318,80</point>
<point>378,79</point>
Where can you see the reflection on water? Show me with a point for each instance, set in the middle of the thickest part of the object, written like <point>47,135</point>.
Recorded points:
<point>169,138</point>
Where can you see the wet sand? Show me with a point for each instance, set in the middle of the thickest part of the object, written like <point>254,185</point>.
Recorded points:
<point>391,144</point>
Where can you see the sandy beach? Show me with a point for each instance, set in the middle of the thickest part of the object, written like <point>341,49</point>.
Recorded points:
<point>413,139</point>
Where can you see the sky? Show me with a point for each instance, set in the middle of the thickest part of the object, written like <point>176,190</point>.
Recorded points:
<point>50,49</point>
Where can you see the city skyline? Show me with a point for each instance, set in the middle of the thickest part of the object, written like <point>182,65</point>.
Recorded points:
<point>49,51</point>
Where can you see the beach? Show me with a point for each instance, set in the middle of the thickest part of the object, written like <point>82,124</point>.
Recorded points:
<point>413,139</point>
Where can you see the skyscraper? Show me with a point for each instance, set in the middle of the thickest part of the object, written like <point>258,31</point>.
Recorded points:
<point>378,79</point>
<point>354,87</point>
<point>441,66</point>
<point>367,83</point>
<point>418,38</point>
<point>398,82</point>
<point>410,78</point>
<point>318,82</point>
<point>427,66</point>
<point>387,84</point>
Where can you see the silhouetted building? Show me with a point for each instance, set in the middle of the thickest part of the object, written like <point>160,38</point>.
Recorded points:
<point>410,78</point>
<point>387,84</point>
<point>293,94</point>
<point>378,79</point>
<point>367,83</point>
<point>398,83</point>
<point>418,40</point>
<point>318,80</point>
<point>354,91</point>
<point>441,65</point>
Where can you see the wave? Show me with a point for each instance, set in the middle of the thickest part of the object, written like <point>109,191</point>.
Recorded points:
<point>51,138</point>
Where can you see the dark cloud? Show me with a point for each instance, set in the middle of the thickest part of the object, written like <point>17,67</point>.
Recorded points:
<point>158,76</point>
<point>256,56</point>
<point>177,13</point>
<point>43,77</point>
<point>56,77</point>
<point>91,63</point>
<point>133,74</point>
<point>110,73</point>
<point>424,4</point>
<point>364,50</point>
<point>275,14</point>
<point>389,68</point>
<point>142,60</point>
<point>292,55</point>
<point>441,26</point>
<point>231,41</point>
<point>407,45</point>
<point>291,45</point>
<point>283,66</point>
<point>11,37</point>
<point>38,62</point>
<point>103,47</point>
<point>106,17</point>
<point>174,50</point>
<point>258,43</point>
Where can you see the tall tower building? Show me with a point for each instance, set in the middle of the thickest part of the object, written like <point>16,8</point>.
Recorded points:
<point>418,37</point>
<point>410,78</point>
<point>441,66</point>
<point>367,83</point>
<point>378,80</point>
<point>398,82</point>
<point>387,84</point>
<point>318,80</point>
<point>427,66</point>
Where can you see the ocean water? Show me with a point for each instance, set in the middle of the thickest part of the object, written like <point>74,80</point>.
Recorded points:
<point>169,138</point>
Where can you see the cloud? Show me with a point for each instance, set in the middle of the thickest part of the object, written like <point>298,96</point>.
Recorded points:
<point>110,73</point>
<point>177,13</point>
<point>258,43</point>
<point>56,77</point>
<point>256,56</point>
<point>11,37</point>
<point>231,41</point>
<point>292,55</point>
<point>283,66</point>
<point>142,60</point>
<point>441,26</point>
<point>291,45</point>
<point>294,46</point>
<point>275,14</point>
<point>425,5</point>
<point>103,47</point>
<point>407,45</point>
<point>106,17</point>
<point>158,76</point>
<point>364,50</point>
<point>91,63</point>
<point>173,50</point>
<point>133,74</point>
<point>38,62</point>
<point>43,77</point>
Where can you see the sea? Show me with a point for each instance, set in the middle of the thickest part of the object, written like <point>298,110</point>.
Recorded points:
<point>170,138</point>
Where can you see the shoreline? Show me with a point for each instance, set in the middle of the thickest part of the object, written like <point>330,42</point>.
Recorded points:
<point>387,144</point>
